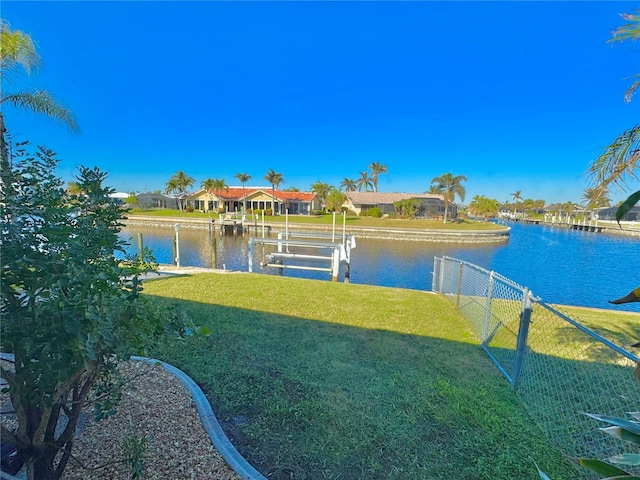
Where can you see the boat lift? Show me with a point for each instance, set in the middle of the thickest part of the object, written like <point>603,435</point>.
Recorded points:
<point>340,252</point>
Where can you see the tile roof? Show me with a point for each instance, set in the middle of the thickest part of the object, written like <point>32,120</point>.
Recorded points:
<point>236,193</point>
<point>360,198</point>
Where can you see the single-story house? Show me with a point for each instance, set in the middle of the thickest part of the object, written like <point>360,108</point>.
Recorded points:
<point>257,199</point>
<point>429,205</point>
<point>609,213</point>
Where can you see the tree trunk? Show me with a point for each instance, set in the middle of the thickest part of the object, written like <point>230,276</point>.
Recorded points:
<point>41,468</point>
<point>4,151</point>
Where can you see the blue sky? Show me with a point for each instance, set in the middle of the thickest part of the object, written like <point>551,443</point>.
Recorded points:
<point>513,95</point>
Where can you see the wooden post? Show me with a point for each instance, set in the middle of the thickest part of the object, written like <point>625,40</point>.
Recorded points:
<point>140,247</point>
<point>214,251</point>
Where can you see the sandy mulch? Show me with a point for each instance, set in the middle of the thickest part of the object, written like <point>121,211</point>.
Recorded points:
<point>155,405</point>
<point>159,407</point>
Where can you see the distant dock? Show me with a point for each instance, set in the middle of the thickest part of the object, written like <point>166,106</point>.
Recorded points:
<point>585,227</point>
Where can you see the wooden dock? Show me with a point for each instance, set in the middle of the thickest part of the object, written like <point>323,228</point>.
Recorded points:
<point>232,225</point>
<point>587,228</point>
<point>574,226</point>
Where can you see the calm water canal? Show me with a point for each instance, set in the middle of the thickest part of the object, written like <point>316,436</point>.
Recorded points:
<point>559,265</point>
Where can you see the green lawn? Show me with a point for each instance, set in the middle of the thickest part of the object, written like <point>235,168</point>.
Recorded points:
<point>622,328</point>
<point>619,327</point>
<point>323,380</point>
<point>351,220</point>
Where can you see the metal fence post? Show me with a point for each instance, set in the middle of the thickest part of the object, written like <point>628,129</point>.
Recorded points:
<point>435,280</point>
<point>523,332</point>
<point>487,312</point>
<point>459,286</point>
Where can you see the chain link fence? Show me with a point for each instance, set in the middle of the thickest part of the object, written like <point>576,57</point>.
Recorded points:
<point>559,368</point>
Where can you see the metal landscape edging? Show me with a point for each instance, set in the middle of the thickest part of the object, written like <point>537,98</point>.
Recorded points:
<point>210,423</point>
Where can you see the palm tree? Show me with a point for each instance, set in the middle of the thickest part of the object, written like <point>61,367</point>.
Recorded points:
<point>568,208</point>
<point>178,185</point>
<point>434,189</point>
<point>19,52</point>
<point>484,207</point>
<point>321,190</point>
<point>348,185</point>
<point>364,181</point>
<point>218,185</point>
<point>450,186</point>
<point>208,185</point>
<point>275,179</point>
<point>335,199</point>
<point>619,161</point>
<point>516,196</point>
<point>243,178</point>
<point>376,169</point>
<point>595,198</point>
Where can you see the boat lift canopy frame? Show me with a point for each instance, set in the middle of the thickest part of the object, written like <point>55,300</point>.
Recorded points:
<point>338,253</point>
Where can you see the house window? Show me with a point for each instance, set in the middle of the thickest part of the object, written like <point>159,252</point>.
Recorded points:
<point>365,208</point>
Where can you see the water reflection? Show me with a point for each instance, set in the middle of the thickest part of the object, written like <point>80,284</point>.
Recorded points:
<point>557,264</point>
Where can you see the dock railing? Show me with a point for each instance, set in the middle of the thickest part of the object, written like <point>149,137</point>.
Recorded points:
<point>559,368</point>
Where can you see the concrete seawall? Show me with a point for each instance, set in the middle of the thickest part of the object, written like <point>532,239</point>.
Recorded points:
<point>419,235</point>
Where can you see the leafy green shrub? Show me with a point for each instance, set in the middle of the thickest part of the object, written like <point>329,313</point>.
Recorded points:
<point>132,200</point>
<point>374,212</point>
<point>70,309</point>
<point>189,208</point>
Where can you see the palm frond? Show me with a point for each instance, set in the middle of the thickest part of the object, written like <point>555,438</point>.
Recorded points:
<point>632,89</point>
<point>618,163</point>
<point>629,31</point>
<point>41,101</point>
<point>18,49</point>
